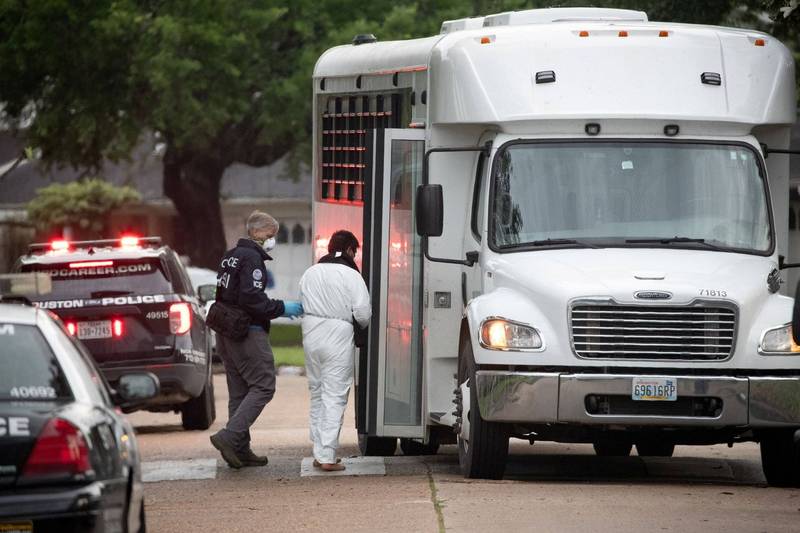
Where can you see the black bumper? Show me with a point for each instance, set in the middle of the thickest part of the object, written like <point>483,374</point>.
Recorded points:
<point>179,382</point>
<point>87,508</point>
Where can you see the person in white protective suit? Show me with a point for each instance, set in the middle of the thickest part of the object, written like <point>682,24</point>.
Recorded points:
<point>334,297</point>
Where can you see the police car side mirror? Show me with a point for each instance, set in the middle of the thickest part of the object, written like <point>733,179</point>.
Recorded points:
<point>206,293</point>
<point>135,389</point>
<point>796,316</point>
<point>430,210</point>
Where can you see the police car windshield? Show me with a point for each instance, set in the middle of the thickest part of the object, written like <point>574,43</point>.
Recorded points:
<point>28,368</point>
<point>94,279</point>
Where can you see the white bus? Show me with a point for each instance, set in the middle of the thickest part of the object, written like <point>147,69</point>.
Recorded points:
<point>573,225</point>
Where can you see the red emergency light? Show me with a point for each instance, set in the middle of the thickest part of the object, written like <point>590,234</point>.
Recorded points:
<point>116,327</point>
<point>72,329</point>
<point>59,245</point>
<point>91,264</point>
<point>128,241</point>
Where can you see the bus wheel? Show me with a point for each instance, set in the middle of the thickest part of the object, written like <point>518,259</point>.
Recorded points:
<point>371,446</point>
<point>654,448</point>
<point>780,458</point>
<point>415,447</point>
<point>482,445</point>
<point>612,448</point>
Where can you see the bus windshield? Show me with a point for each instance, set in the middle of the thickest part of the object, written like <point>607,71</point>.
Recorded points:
<point>629,193</point>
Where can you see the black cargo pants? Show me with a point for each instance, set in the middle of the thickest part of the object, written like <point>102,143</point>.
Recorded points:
<point>250,372</point>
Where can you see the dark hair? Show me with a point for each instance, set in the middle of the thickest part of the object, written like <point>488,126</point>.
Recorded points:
<point>341,241</point>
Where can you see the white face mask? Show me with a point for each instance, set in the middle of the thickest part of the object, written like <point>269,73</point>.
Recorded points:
<point>269,244</point>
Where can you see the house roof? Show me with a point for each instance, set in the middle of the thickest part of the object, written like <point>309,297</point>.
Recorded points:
<point>144,172</point>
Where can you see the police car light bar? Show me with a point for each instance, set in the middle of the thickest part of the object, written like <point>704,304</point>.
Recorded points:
<point>126,241</point>
<point>20,286</point>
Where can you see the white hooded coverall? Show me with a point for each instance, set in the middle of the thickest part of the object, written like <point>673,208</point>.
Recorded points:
<point>333,295</point>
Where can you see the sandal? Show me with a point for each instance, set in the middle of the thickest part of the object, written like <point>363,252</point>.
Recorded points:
<point>317,464</point>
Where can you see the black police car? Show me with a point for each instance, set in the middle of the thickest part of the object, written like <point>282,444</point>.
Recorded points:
<point>131,303</point>
<point>68,459</point>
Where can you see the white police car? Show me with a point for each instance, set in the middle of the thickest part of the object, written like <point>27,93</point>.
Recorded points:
<point>68,458</point>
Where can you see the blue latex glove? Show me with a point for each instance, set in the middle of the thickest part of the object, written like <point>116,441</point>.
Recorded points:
<point>292,309</point>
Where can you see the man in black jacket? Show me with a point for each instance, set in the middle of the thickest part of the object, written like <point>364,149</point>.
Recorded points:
<point>249,363</point>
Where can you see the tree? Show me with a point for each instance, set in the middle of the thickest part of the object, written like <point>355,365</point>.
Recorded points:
<point>82,206</point>
<point>218,82</point>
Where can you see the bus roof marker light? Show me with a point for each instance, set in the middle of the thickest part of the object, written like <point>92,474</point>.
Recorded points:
<point>583,33</point>
<point>546,76</point>
<point>592,128</point>
<point>487,39</point>
<point>663,33</point>
<point>671,130</point>
<point>760,42</point>
<point>623,33</point>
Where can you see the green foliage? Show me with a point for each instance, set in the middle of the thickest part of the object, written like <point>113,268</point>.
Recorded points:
<point>82,205</point>
<point>289,356</point>
<point>285,335</point>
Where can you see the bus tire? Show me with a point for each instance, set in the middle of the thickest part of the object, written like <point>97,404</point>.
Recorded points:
<point>780,459</point>
<point>372,446</point>
<point>415,447</point>
<point>484,454</point>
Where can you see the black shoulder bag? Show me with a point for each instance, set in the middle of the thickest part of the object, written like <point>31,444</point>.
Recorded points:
<point>228,320</point>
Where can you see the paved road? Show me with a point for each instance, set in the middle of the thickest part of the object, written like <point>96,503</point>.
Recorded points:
<point>548,487</point>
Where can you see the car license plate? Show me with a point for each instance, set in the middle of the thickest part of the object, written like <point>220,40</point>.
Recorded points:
<point>654,389</point>
<point>97,329</point>
<point>16,527</point>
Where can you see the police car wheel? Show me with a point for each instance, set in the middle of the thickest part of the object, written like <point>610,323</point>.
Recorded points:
<point>780,458</point>
<point>142,520</point>
<point>483,455</point>
<point>199,413</point>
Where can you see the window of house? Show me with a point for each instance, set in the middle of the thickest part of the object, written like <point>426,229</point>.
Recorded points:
<point>283,235</point>
<point>298,234</point>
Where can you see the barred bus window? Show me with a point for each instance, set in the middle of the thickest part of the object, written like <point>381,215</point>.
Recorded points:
<point>344,151</point>
<point>298,234</point>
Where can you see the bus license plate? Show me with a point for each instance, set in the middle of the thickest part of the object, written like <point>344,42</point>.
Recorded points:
<point>97,329</point>
<point>654,389</point>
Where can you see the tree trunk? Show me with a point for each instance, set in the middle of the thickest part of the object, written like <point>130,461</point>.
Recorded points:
<point>192,182</point>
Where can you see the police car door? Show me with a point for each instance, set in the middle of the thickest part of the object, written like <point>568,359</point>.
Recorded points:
<point>391,368</point>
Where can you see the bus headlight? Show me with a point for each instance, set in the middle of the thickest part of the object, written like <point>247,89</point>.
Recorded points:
<point>779,341</point>
<point>501,334</point>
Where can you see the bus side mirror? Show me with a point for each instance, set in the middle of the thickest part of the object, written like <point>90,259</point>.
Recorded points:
<point>430,210</point>
<point>796,316</point>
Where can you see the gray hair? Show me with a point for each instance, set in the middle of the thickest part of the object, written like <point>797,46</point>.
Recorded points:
<point>260,220</point>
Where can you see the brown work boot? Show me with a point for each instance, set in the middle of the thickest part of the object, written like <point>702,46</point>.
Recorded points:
<point>249,458</point>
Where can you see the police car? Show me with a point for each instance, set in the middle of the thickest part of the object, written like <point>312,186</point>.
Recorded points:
<point>130,302</point>
<point>68,458</point>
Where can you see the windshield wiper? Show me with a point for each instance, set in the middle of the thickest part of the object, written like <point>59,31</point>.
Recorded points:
<point>674,240</point>
<point>556,242</point>
<point>108,293</point>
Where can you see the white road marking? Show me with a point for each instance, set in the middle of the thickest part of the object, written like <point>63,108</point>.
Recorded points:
<point>187,469</point>
<point>354,466</point>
